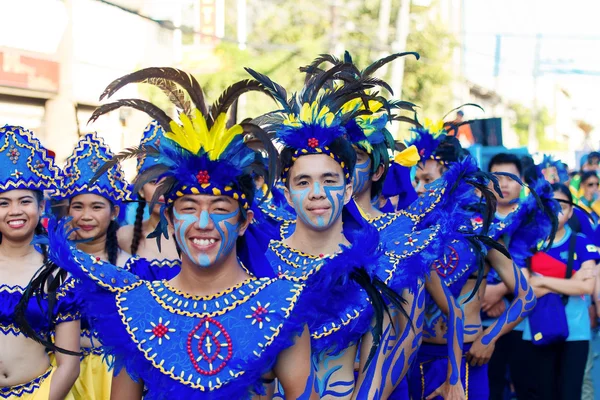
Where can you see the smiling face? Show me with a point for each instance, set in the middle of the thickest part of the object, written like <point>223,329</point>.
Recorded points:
<point>91,215</point>
<point>317,190</point>
<point>20,213</point>
<point>207,227</point>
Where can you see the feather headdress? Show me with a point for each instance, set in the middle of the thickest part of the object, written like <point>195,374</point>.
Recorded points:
<point>200,154</point>
<point>553,170</point>
<point>367,130</point>
<point>311,120</point>
<point>428,137</point>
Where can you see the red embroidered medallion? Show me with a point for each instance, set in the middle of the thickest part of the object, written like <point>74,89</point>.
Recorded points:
<point>448,264</point>
<point>313,142</point>
<point>213,344</point>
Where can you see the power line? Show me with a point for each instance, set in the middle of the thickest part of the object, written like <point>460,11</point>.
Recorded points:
<point>189,30</point>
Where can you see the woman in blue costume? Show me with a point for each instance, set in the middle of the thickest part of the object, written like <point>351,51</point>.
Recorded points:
<point>134,238</point>
<point>317,167</point>
<point>558,368</point>
<point>214,331</point>
<point>460,270</point>
<point>25,368</point>
<point>94,209</point>
<point>160,257</point>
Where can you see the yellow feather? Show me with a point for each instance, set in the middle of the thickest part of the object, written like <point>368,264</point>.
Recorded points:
<point>221,138</point>
<point>408,157</point>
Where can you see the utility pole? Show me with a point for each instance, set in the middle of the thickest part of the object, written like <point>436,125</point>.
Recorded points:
<point>383,29</point>
<point>532,137</point>
<point>335,45</point>
<point>399,44</point>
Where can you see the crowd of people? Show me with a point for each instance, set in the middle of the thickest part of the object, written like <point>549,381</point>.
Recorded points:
<point>300,254</point>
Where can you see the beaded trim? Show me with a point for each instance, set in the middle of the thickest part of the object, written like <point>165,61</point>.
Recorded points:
<point>10,392</point>
<point>207,317</point>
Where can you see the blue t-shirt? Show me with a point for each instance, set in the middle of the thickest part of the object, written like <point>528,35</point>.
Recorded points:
<point>576,310</point>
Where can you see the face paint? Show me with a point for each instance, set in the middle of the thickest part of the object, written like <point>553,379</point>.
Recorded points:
<point>361,176</point>
<point>228,233</point>
<point>334,196</point>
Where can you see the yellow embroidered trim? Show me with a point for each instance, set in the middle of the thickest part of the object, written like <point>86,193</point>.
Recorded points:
<point>163,299</point>
<point>417,249</point>
<point>180,378</point>
<point>10,392</point>
<point>209,297</point>
<point>104,285</point>
<point>12,288</point>
<point>63,289</point>
<point>335,327</point>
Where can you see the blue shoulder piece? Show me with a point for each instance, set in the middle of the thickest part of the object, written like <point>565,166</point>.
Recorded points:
<point>153,270</point>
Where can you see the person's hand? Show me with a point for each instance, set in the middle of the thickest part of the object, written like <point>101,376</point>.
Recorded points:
<point>536,281</point>
<point>497,309</point>
<point>479,353</point>
<point>493,294</point>
<point>449,392</point>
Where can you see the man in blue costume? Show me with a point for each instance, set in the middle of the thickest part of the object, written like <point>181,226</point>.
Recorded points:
<point>460,271</point>
<point>317,165</point>
<point>214,330</point>
<point>522,225</point>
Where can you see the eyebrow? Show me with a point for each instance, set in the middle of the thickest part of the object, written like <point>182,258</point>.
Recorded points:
<point>330,175</point>
<point>20,198</point>
<point>218,199</point>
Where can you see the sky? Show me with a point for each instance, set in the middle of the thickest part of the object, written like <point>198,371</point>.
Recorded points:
<point>570,41</point>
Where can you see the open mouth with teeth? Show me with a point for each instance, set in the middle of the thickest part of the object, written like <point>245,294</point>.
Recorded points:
<point>17,223</point>
<point>204,244</point>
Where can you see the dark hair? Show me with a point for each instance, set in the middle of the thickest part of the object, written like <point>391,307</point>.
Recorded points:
<point>340,147</point>
<point>381,154</point>
<point>587,175</point>
<point>112,243</point>
<point>562,188</point>
<point>506,158</point>
<point>137,226</point>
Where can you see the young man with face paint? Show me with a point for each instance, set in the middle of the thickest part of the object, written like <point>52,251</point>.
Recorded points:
<point>317,165</point>
<point>214,330</point>
<point>461,271</point>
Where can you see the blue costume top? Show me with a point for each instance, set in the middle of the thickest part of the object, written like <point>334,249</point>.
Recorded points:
<point>153,270</point>
<point>65,309</point>
<point>28,166</point>
<point>181,345</point>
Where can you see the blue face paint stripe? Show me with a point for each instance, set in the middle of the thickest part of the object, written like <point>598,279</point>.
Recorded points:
<point>337,204</point>
<point>362,174</point>
<point>203,222</point>
<point>228,234</point>
<point>227,241</point>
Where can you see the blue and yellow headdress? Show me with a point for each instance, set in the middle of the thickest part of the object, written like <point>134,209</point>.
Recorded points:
<point>90,153</point>
<point>311,121</point>
<point>550,162</point>
<point>199,154</point>
<point>24,162</point>
<point>367,131</point>
<point>427,139</point>
<point>153,135</point>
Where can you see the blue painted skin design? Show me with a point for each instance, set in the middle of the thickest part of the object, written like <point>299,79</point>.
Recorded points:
<point>455,333</point>
<point>228,232</point>
<point>361,176</point>
<point>333,194</point>
<point>324,386</point>
<point>518,309</point>
<point>397,351</point>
